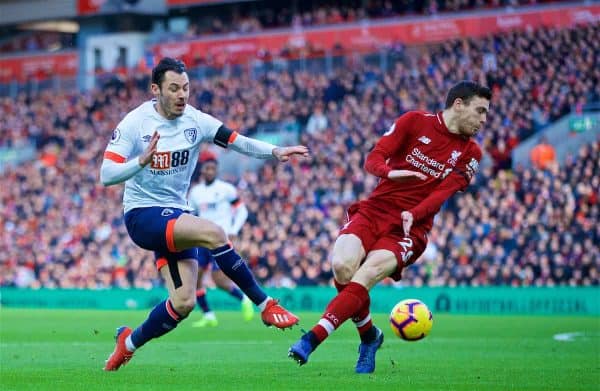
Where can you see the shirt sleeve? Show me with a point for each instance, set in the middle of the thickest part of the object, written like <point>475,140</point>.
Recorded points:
<point>232,194</point>
<point>118,164</point>
<point>122,143</point>
<point>458,180</point>
<point>208,125</point>
<point>376,162</point>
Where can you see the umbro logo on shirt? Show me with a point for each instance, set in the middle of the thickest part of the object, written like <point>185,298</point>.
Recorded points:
<point>424,139</point>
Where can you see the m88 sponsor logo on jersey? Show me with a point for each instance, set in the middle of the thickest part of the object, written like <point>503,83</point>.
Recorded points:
<point>167,160</point>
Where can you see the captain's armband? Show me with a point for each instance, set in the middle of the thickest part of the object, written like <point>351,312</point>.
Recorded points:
<point>224,136</point>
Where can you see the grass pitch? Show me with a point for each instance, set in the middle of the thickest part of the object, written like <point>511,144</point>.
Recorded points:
<point>66,349</point>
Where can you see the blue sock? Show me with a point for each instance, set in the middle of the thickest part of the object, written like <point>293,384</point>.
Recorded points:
<point>201,300</point>
<point>236,269</point>
<point>162,319</point>
<point>237,293</point>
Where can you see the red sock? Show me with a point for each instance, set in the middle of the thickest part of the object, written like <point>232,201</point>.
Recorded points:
<point>362,319</point>
<point>340,309</point>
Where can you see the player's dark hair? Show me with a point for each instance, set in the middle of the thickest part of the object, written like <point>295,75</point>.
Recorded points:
<point>466,90</point>
<point>166,64</point>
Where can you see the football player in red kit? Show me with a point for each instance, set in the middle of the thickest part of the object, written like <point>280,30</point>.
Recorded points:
<point>422,160</point>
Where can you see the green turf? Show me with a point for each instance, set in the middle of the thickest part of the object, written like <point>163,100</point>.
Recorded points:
<point>65,350</point>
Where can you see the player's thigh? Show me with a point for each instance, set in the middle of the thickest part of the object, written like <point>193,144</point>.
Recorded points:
<point>348,252</point>
<point>378,265</point>
<point>181,278</point>
<point>406,249</point>
<point>192,231</point>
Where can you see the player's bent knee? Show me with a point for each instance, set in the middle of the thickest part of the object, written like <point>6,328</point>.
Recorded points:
<point>343,269</point>
<point>184,306</point>
<point>216,238</point>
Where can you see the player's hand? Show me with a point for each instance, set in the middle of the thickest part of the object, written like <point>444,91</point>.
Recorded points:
<point>405,175</point>
<point>407,221</point>
<point>146,156</point>
<point>283,154</point>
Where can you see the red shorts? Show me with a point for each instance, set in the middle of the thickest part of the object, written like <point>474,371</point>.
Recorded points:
<point>380,230</point>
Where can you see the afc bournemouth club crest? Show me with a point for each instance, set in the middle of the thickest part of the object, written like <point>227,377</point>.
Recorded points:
<point>190,135</point>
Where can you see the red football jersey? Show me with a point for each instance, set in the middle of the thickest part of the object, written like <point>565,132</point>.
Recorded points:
<point>421,142</point>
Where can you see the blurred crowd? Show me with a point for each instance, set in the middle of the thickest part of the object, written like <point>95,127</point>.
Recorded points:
<point>257,16</point>
<point>33,41</point>
<point>254,17</point>
<point>60,228</point>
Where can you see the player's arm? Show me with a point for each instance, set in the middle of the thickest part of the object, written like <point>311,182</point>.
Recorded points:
<point>240,215</point>
<point>240,212</point>
<point>392,140</point>
<point>458,180</point>
<point>226,138</point>
<point>116,168</point>
<point>192,201</point>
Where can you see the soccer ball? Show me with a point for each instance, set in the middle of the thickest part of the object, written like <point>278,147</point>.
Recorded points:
<point>411,320</point>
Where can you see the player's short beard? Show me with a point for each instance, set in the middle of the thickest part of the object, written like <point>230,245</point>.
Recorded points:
<point>163,102</point>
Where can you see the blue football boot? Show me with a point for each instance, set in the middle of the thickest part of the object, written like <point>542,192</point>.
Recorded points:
<point>300,351</point>
<point>366,354</point>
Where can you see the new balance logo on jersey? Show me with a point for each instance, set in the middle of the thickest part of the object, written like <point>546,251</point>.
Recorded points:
<point>146,138</point>
<point>424,139</point>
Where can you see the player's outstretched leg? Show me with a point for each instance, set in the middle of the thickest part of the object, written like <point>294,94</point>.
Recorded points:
<point>273,314</point>
<point>340,309</point>
<point>162,319</point>
<point>367,350</point>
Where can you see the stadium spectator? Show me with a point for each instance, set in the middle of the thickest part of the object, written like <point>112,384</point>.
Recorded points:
<point>256,17</point>
<point>543,154</point>
<point>493,228</point>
